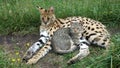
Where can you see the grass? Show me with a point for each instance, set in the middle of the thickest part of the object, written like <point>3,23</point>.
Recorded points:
<point>21,16</point>
<point>98,58</point>
<point>18,16</point>
<point>6,61</point>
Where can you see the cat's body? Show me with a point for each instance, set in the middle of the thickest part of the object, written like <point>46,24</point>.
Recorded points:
<point>65,40</point>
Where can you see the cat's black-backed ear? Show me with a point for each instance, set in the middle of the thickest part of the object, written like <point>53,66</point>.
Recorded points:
<point>40,9</point>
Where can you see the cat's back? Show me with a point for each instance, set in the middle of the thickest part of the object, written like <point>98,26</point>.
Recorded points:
<point>61,39</point>
<point>62,32</point>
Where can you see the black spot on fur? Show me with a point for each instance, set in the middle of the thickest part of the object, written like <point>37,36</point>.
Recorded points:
<point>87,37</point>
<point>54,27</point>
<point>55,21</point>
<point>97,27</point>
<point>88,28</point>
<point>103,30</point>
<point>96,31</point>
<point>47,44</point>
<point>82,22</point>
<point>101,27</point>
<point>60,21</point>
<point>68,21</point>
<point>46,47</point>
<point>68,25</point>
<point>100,36</point>
<point>103,44</point>
<point>82,34</point>
<point>86,43</point>
<point>63,25</point>
<point>50,29</point>
<point>105,40</point>
<point>41,42</point>
<point>51,35</point>
<point>84,31</point>
<point>95,22</point>
<point>38,44</point>
<point>86,19</point>
<point>100,32</point>
<point>98,23</point>
<point>85,26</point>
<point>87,33</point>
<point>92,29</point>
<point>87,23</point>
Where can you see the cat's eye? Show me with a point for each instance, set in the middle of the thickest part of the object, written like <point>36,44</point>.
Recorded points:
<point>48,18</point>
<point>42,18</point>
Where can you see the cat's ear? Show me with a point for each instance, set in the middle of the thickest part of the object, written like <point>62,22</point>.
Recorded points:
<point>42,10</point>
<point>51,10</point>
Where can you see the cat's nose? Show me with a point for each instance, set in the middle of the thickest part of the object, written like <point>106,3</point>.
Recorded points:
<point>75,30</point>
<point>45,22</point>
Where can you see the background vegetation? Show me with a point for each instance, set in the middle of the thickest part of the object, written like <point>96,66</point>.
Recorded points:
<point>21,16</point>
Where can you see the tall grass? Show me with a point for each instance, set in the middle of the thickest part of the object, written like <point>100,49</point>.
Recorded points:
<point>22,15</point>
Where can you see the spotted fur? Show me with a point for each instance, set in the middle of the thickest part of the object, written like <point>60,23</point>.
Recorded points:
<point>94,31</point>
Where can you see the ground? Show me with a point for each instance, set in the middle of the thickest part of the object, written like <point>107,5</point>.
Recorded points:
<point>20,44</point>
<point>17,45</point>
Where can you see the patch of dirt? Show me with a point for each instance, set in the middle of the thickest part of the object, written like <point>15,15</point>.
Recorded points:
<point>13,43</point>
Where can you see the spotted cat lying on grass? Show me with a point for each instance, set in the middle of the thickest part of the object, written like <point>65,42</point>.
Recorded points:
<point>94,31</point>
